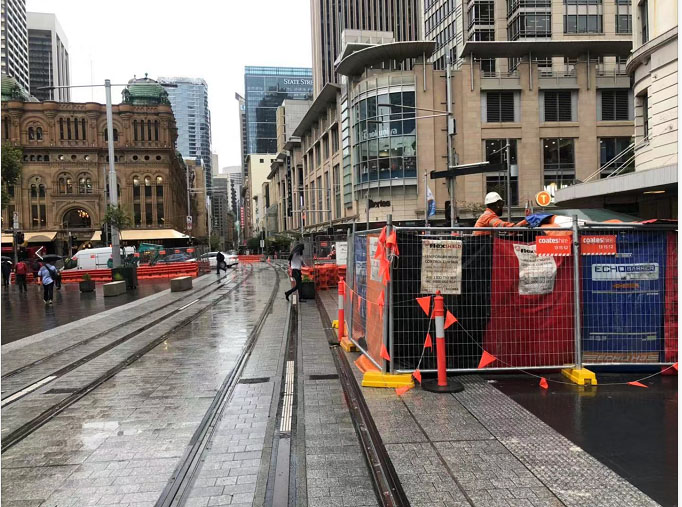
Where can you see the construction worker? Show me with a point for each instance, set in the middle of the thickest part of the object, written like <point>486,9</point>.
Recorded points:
<point>491,216</point>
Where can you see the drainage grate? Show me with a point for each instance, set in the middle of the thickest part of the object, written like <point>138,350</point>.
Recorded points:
<point>256,380</point>
<point>330,376</point>
<point>62,390</point>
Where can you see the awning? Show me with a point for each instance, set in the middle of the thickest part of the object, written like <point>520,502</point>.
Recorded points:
<point>144,234</point>
<point>355,63</point>
<point>32,237</point>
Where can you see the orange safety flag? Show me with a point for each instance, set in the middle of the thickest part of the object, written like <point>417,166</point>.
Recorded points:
<point>402,390</point>
<point>425,303</point>
<point>543,383</point>
<point>385,270</point>
<point>417,375</point>
<point>380,300</point>
<point>380,251</point>
<point>428,344</point>
<point>486,359</point>
<point>450,319</point>
<point>384,353</point>
<point>637,384</point>
<point>392,239</point>
<point>382,236</point>
<point>675,366</point>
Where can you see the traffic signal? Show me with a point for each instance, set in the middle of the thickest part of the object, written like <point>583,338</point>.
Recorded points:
<point>20,238</point>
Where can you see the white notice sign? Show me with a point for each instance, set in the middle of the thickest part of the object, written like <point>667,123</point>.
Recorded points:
<point>341,248</point>
<point>442,266</point>
<point>373,243</point>
<point>536,273</point>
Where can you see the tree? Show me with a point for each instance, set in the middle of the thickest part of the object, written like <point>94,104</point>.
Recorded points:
<point>11,169</point>
<point>118,217</point>
<point>214,242</point>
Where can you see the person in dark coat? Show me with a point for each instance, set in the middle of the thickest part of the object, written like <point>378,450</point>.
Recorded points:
<point>296,263</point>
<point>6,272</point>
<point>220,263</point>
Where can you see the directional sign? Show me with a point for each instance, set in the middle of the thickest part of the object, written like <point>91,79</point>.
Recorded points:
<point>189,222</point>
<point>543,198</point>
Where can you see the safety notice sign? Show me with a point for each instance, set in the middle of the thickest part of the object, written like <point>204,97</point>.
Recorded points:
<point>598,245</point>
<point>536,273</point>
<point>553,245</point>
<point>441,266</point>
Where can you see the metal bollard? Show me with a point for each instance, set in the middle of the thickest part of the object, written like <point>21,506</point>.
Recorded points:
<point>342,295</point>
<point>441,385</point>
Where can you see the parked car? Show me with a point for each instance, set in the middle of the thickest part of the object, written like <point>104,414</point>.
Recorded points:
<point>178,257</point>
<point>230,259</point>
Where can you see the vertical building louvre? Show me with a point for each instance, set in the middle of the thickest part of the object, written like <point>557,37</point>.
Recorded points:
<point>558,106</point>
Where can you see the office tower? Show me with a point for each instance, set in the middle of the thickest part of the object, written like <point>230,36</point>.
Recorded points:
<point>266,88</point>
<point>329,19</point>
<point>189,99</point>
<point>242,128</point>
<point>15,42</point>
<point>48,57</point>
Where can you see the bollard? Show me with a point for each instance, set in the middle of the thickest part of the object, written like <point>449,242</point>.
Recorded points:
<point>342,295</point>
<point>441,385</point>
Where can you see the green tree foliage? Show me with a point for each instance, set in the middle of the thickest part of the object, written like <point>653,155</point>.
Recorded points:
<point>118,217</point>
<point>214,242</point>
<point>11,169</point>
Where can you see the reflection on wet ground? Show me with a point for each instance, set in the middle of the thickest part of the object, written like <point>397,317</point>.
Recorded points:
<point>630,429</point>
<point>24,313</point>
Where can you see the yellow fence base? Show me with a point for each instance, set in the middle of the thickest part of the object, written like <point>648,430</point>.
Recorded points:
<point>392,380</point>
<point>582,377</point>
<point>348,345</point>
<point>335,324</point>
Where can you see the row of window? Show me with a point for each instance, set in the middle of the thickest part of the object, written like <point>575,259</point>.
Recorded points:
<point>557,105</point>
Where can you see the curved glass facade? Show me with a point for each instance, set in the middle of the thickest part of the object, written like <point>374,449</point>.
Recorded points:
<point>385,136</point>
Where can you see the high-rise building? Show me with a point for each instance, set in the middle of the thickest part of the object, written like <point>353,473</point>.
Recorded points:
<point>329,19</point>
<point>266,88</point>
<point>15,42</point>
<point>189,99</point>
<point>242,128</point>
<point>48,57</point>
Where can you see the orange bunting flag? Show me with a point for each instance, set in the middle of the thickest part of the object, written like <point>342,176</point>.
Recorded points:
<point>384,270</point>
<point>382,236</point>
<point>486,359</point>
<point>637,384</point>
<point>380,300</point>
<point>450,319</point>
<point>428,344</point>
<point>380,251</point>
<point>417,375</point>
<point>402,390</point>
<point>675,366</point>
<point>384,353</point>
<point>392,240</point>
<point>425,303</point>
<point>543,383</point>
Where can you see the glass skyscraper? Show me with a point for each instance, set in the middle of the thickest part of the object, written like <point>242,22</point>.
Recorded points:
<point>189,99</point>
<point>266,88</point>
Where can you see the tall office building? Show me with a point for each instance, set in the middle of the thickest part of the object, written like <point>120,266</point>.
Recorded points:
<point>189,99</point>
<point>15,42</point>
<point>266,88</point>
<point>48,57</point>
<point>329,19</point>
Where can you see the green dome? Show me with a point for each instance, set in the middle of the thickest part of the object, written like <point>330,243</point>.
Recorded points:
<point>11,89</point>
<point>145,91</point>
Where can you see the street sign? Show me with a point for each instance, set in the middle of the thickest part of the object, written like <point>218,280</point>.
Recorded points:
<point>189,222</point>
<point>543,198</point>
<point>262,243</point>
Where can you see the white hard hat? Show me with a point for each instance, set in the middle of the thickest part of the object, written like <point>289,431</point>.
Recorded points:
<point>492,197</point>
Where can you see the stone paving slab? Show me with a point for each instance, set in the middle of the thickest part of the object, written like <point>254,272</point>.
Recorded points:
<point>121,443</point>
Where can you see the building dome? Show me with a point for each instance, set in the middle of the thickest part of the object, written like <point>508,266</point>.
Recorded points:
<point>144,92</point>
<point>11,89</point>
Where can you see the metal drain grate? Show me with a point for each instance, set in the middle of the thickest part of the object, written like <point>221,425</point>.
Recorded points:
<point>255,380</point>
<point>329,376</point>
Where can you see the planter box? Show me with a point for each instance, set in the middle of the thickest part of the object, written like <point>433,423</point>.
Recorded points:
<point>114,288</point>
<point>86,285</point>
<point>128,273</point>
<point>181,283</point>
<point>308,290</point>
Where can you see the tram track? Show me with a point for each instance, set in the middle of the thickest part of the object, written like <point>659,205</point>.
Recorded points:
<point>48,414</point>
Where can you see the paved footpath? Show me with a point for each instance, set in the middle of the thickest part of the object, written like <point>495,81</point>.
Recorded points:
<point>481,448</point>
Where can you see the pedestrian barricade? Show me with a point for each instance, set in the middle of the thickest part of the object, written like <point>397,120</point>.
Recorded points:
<point>249,258</point>
<point>544,298</point>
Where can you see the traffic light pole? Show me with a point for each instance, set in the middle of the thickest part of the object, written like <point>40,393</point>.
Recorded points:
<point>113,188</point>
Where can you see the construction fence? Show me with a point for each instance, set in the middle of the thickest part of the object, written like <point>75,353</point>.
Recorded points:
<point>527,298</point>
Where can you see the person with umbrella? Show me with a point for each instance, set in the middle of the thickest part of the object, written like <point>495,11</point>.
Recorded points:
<point>48,274</point>
<point>296,263</point>
<point>6,270</point>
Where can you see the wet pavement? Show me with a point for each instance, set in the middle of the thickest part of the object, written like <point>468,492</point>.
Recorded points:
<point>631,430</point>
<point>25,314</point>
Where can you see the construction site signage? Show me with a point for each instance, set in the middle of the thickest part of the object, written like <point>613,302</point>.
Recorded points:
<point>536,272</point>
<point>341,248</point>
<point>553,245</point>
<point>441,266</point>
<point>598,245</point>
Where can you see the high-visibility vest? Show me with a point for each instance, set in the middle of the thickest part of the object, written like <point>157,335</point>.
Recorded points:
<point>490,219</point>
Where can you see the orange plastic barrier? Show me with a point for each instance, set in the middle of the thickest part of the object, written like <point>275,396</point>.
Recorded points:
<point>249,258</point>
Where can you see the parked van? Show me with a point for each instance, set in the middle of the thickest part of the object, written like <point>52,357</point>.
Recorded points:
<point>97,258</point>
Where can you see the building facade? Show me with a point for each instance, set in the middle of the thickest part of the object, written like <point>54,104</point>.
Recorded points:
<point>189,99</point>
<point>266,88</point>
<point>14,35</point>
<point>63,189</point>
<point>329,20</point>
<point>48,57</point>
<point>258,166</point>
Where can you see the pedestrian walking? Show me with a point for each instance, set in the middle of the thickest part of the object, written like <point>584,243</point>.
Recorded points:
<point>20,271</point>
<point>47,274</point>
<point>220,263</point>
<point>296,263</point>
<point>6,272</point>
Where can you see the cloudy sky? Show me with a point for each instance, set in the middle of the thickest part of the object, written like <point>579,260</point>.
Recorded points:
<point>211,39</point>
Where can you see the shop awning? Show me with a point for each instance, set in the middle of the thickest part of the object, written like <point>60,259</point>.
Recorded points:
<point>32,237</point>
<point>145,234</point>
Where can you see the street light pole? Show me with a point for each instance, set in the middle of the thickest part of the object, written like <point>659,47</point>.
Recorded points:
<point>450,133</point>
<point>113,188</point>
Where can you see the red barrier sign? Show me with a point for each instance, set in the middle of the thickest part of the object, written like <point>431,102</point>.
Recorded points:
<point>598,245</point>
<point>553,245</point>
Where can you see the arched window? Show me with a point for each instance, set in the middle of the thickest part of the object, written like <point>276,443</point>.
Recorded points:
<point>39,158</point>
<point>68,128</point>
<point>149,130</point>
<point>135,130</point>
<point>38,209</point>
<point>160,220</point>
<point>61,128</point>
<point>106,134</point>
<point>41,190</point>
<point>148,218</point>
<point>5,127</point>
<point>31,134</point>
<point>137,211</point>
<point>32,158</point>
<point>156,130</point>
<point>61,185</point>
<point>34,191</point>
<point>83,128</point>
<point>76,218</point>
<point>69,185</point>
<point>81,184</point>
<point>39,133</point>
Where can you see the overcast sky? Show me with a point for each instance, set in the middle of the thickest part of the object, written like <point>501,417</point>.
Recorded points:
<point>211,39</point>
